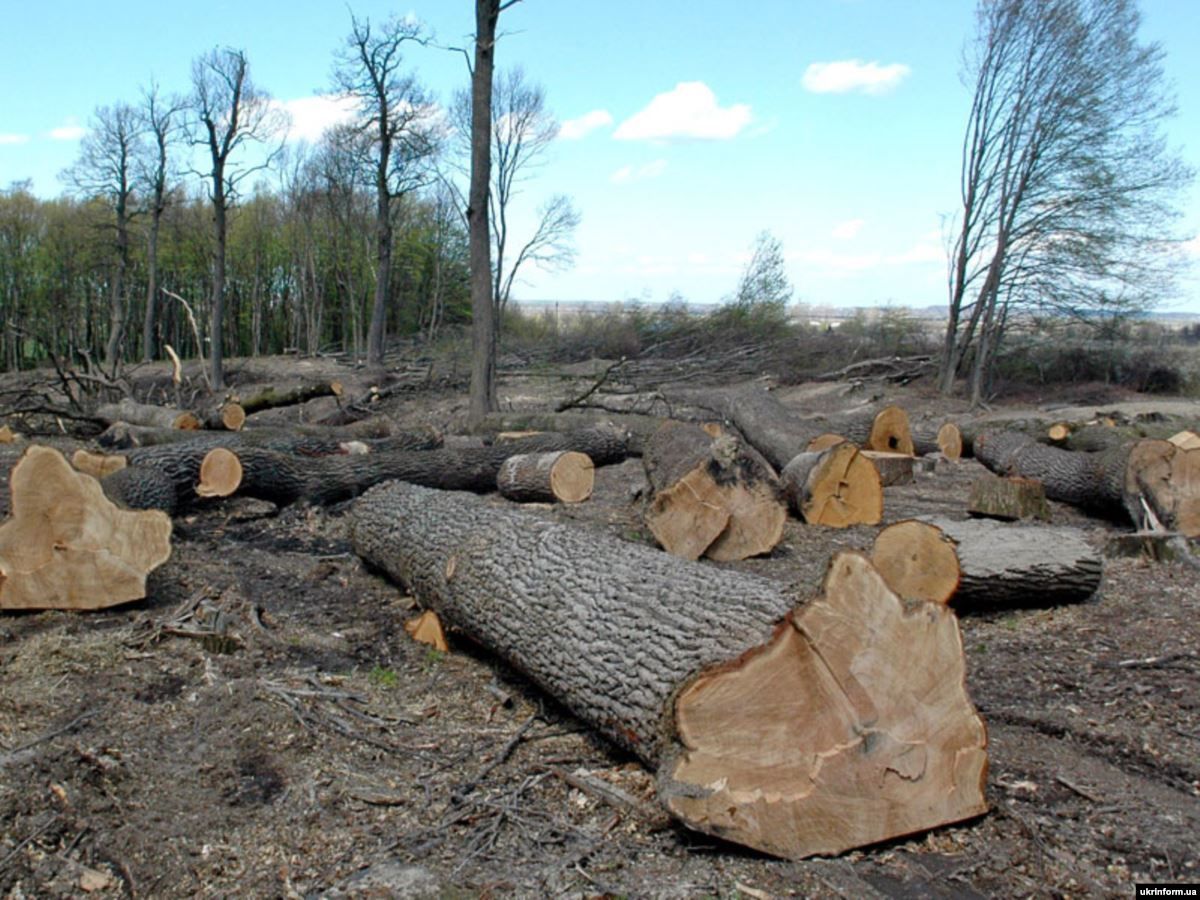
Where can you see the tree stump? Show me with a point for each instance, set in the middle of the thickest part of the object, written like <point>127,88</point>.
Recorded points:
<point>563,476</point>
<point>837,487</point>
<point>1009,499</point>
<point>713,496</point>
<point>981,564</point>
<point>66,546</point>
<point>793,730</point>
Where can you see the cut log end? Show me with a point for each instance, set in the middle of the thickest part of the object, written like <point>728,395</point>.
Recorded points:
<point>98,465</point>
<point>1186,440</point>
<point>852,726</point>
<point>565,476</point>
<point>950,440</point>
<point>890,432</point>
<point>232,416</point>
<point>187,421</point>
<point>917,561</point>
<point>220,473</point>
<point>837,487</point>
<point>1162,485</point>
<point>824,442</point>
<point>67,546</point>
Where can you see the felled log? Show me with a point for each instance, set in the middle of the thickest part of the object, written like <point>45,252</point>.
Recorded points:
<point>305,442</point>
<point>793,730</point>
<point>893,468</point>
<point>66,546</point>
<point>127,410</point>
<point>837,487</point>
<point>1159,546</point>
<point>257,397</point>
<point>98,465</point>
<point>562,476</point>
<point>981,564</point>
<point>1009,499</point>
<point>713,496</point>
<point>1150,481</point>
<point>285,478</point>
<point>946,439</point>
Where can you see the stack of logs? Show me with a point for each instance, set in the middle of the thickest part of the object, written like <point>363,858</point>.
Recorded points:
<point>793,725</point>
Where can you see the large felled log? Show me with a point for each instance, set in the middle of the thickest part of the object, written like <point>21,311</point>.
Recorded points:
<point>128,410</point>
<point>257,397</point>
<point>1151,481</point>
<point>124,436</point>
<point>333,442</point>
<point>986,565</point>
<point>287,478</point>
<point>837,487</point>
<point>713,496</point>
<point>796,731</point>
<point>564,476</point>
<point>66,546</point>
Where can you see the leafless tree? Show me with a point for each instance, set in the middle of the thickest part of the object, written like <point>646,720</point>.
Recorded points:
<point>397,115</point>
<point>230,113</point>
<point>161,120</point>
<point>1067,184</point>
<point>105,168</point>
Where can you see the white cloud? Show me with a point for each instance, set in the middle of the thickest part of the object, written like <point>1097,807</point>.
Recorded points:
<point>626,174</point>
<point>574,129</point>
<point>689,111</point>
<point>13,138</point>
<point>846,75</point>
<point>1192,247</point>
<point>312,116</point>
<point>845,231</point>
<point>71,131</point>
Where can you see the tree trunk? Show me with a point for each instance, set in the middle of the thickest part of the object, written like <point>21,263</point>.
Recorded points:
<point>564,476</point>
<point>837,487</point>
<point>1150,481</point>
<point>483,324</point>
<point>284,478</point>
<point>986,565</point>
<point>867,734</point>
<point>148,320</point>
<point>713,496</point>
<point>217,322</point>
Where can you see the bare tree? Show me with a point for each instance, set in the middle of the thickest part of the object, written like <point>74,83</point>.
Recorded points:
<point>105,168</point>
<point>162,120</point>
<point>483,321</point>
<point>397,115</point>
<point>1067,184</point>
<point>230,112</point>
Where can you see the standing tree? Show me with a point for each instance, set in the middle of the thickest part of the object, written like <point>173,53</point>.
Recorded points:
<point>230,113</point>
<point>1067,183</point>
<point>105,168</point>
<point>764,280</point>
<point>396,115</point>
<point>161,120</point>
<point>483,321</point>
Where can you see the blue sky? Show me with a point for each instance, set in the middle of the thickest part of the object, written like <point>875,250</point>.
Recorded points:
<point>835,124</point>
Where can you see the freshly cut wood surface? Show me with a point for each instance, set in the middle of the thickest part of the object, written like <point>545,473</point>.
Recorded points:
<point>1009,498</point>
<point>837,487</point>
<point>996,565</point>
<point>427,629</point>
<point>824,442</point>
<point>66,546</point>
<point>796,731</point>
<point>1185,440</point>
<point>563,476</point>
<point>890,432</point>
<point>127,410</point>
<point>713,496</point>
<point>98,465</point>
<point>220,473</point>
<point>947,440</point>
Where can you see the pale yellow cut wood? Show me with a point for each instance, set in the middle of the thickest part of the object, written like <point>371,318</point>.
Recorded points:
<point>756,520</point>
<point>917,561</point>
<point>427,629</point>
<point>852,726</point>
<point>837,487</point>
<point>824,442</point>
<point>232,415</point>
<point>689,515</point>
<point>187,421</point>
<point>6,435</point>
<point>949,438</point>
<point>220,473</point>
<point>514,435</point>
<point>893,468</point>
<point>563,476</point>
<point>176,365</point>
<point>67,546</point>
<point>97,464</point>
<point>891,432</point>
<point>1186,440</point>
<point>1058,432</point>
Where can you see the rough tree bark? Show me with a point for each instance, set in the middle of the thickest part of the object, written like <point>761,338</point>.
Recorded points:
<point>986,565</point>
<point>794,731</point>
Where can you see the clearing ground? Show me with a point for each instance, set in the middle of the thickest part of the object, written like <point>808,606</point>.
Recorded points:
<point>318,751</point>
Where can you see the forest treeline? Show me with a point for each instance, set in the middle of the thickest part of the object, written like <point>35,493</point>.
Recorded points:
<point>300,270</point>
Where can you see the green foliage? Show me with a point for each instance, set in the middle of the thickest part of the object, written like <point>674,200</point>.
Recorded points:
<point>383,677</point>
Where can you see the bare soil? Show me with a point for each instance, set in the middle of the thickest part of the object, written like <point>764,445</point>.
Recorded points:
<point>318,751</point>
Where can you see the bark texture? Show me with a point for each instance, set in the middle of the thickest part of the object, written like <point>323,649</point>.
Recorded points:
<point>565,476</point>
<point>1010,498</point>
<point>843,749</point>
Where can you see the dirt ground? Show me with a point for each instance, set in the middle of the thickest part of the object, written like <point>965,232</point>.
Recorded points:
<point>317,751</point>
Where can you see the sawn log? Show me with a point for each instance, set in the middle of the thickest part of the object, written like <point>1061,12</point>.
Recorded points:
<point>796,730</point>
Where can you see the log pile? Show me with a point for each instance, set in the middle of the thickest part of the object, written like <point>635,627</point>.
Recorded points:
<point>793,730</point>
